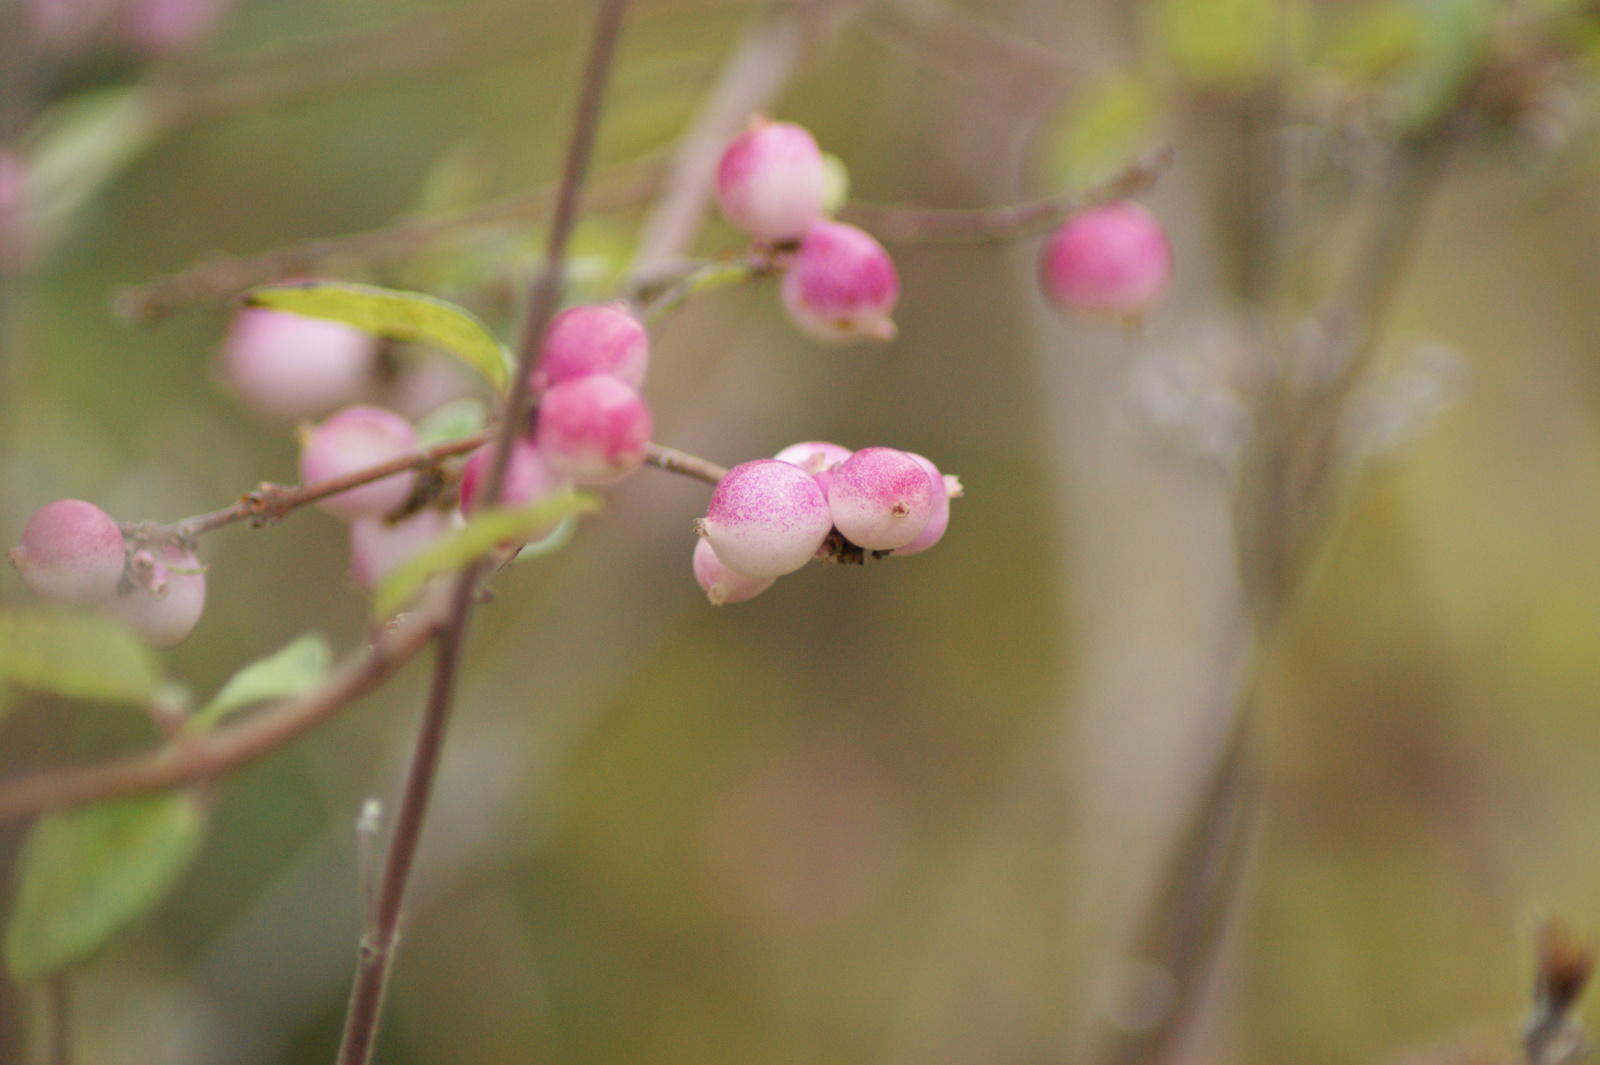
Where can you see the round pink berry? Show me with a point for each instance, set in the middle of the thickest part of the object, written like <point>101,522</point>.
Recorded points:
<point>766,518</point>
<point>881,498</point>
<point>1111,261</point>
<point>377,547</point>
<point>71,552</point>
<point>602,338</point>
<point>290,366</point>
<point>351,440</point>
<point>723,585</point>
<point>772,181</point>
<point>593,430</point>
<point>816,457</point>
<point>944,489</point>
<point>528,476</point>
<point>165,599</point>
<point>841,285</point>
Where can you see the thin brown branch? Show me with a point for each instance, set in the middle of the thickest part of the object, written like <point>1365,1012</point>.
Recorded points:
<point>224,277</point>
<point>231,745</point>
<point>377,951</point>
<point>688,465</point>
<point>921,225</point>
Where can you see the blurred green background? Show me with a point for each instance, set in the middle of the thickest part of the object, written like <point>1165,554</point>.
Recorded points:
<point>891,815</point>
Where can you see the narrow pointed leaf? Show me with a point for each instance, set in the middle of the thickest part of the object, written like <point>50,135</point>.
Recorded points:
<point>408,316</point>
<point>476,538</point>
<point>293,670</point>
<point>82,656</point>
<point>86,875</point>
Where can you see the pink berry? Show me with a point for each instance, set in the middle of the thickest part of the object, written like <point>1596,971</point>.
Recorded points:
<point>593,430</point>
<point>723,585</point>
<point>163,27</point>
<point>841,285</point>
<point>1111,261</point>
<point>766,518</point>
<point>351,440</point>
<point>816,457</point>
<point>290,366</point>
<point>376,547</point>
<point>603,339</point>
<point>881,498</point>
<point>166,597</point>
<point>772,181</point>
<point>71,552</point>
<point>944,489</point>
<point>528,477</point>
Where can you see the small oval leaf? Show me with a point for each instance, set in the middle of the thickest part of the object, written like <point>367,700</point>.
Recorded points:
<point>293,670</point>
<point>82,656</point>
<point>85,875</point>
<point>385,312</point>
<point>476,538</point>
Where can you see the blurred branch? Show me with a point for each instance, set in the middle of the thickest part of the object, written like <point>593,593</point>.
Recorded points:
<point>377,949</point>
<point>679,462</point>
<point>1553,1034</point>
<point>192,759</point>
<point>921,225</point>
<point>972,51</point>
<point>755,76</point>
<point>223,277</point>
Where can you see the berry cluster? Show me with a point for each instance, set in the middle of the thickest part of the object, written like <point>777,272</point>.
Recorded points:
<point>838,283</point>
<point>72,552</point>
<point>771,516</point>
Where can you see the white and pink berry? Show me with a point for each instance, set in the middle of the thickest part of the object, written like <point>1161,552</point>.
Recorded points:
<point>945,488</point>
<point>594,339</point>
<point>881,498</point>
<point>772,181</point>
<point>351,440</point>
<point>841,285</point>
<point>377,547</point>
<point>70,552</point>
<point>164,600</point>
<point>593,430</point>
<point>1113,261</point>
<point>290,366</point>
<point>721,584</point>
<point>816,457</point>
<point>528,476</point>
<point>766,518</point>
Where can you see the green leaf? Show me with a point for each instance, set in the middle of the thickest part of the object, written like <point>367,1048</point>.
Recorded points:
<point>408,316</point>
<point>1452,46</point>
<point>836,184</point>
<point>476,538</point>
<point>293,670</point>
<point>1109,123</point>
<point>79,146</point>
<point>1369,41</point>
<point>458,418</point>
<point>1228,43</point>
<point>83,656</point>
<point>85,875</point>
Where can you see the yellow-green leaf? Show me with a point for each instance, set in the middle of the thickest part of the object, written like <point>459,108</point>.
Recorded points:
<point>408,316</point>
<point>82,656</point>
<point>458,418</point>
<point>476,538</point>
<point>85,875</point>
<point>1109,123</point>
<point>293,670</point>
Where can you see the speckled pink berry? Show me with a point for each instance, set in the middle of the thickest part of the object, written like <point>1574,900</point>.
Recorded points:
<point>603,339</point>
<point>70,552</point>
<point>351,440</point>
<point>772,181</point>
<point>816,457</point>
<point>377,547</point>
<point>593,430</point>
<point>164,601</point>
<point>881,498</point>
<point>842,285</point>
<point>944,489</point>
<point>528,477</point>
<point>290,366</point>
<point>1113,261</point>
<point>766,518</point>
<point>723,585</point>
